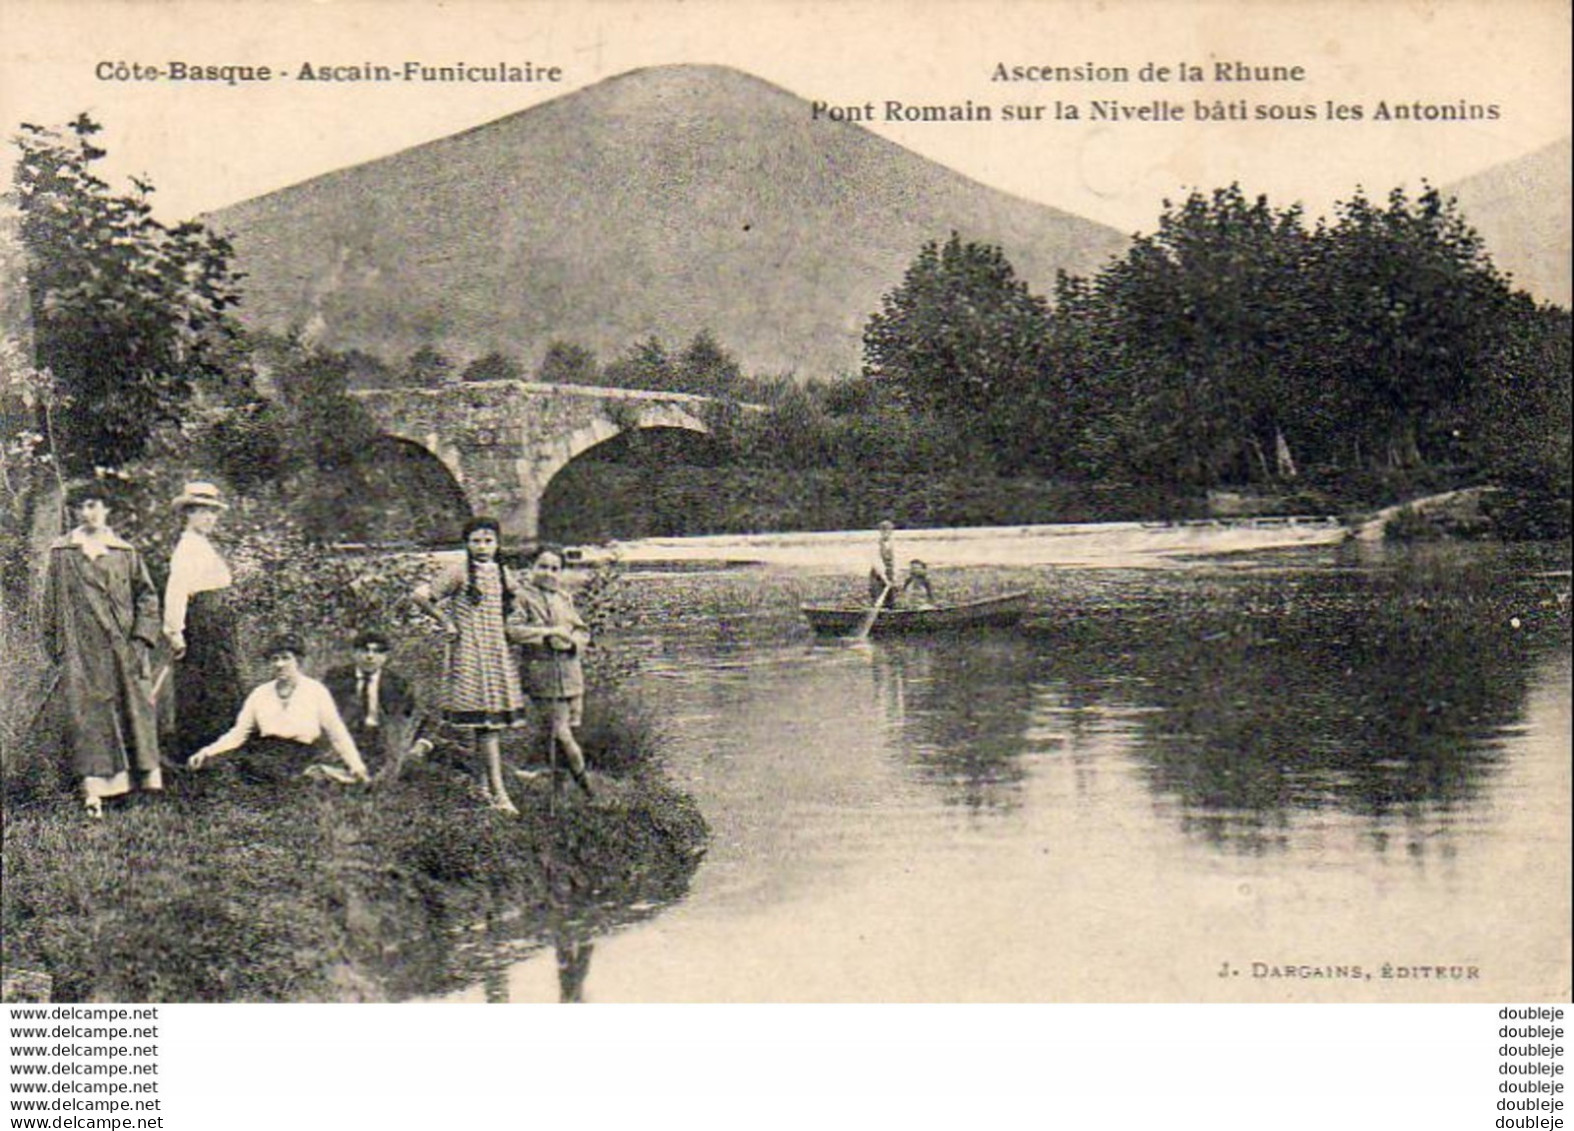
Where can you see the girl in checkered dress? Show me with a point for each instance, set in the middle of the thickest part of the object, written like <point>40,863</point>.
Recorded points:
<point>481,689</point>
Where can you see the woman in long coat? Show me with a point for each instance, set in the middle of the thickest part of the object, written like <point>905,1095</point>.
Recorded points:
<point>101,624</point>
<point>200,624</point>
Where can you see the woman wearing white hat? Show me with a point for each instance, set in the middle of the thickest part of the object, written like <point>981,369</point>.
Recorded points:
<point>200,625</point>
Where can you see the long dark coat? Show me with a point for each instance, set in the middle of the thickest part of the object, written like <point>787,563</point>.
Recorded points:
<point>101,621</point>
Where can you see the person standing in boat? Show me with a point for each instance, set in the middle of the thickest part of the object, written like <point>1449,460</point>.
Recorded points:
<point>882,572</point>
<point>200,625</point>
<point>472,600</point>
<point>101,625</point>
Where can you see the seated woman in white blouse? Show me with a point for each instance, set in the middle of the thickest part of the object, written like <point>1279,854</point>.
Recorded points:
<point>281,723</point>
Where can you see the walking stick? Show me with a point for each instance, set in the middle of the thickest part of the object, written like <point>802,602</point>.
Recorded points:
<point>158,682</point>
<point>552,769</point>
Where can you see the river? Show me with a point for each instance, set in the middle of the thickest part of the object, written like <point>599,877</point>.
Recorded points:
<point>1296,771</point>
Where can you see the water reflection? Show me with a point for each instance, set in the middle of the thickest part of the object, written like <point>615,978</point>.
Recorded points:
<point>494,984</point>
<point>1170,767</point>
<point>1244,699</point>
<point>573,964</point>
<point>591,888</point>
<point>959,708</point>
<point>572,948</point>
<point>1381,694</point>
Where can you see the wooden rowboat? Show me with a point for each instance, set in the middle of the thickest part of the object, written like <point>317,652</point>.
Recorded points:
<point>844,620</point>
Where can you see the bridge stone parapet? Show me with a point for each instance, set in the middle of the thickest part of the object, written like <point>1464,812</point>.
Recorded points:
<point>503,441</point>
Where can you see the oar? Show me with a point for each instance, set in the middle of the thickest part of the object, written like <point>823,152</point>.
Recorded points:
<point>871,615</point>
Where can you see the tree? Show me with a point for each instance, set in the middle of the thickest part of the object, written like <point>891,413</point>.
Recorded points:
<point>494,366</point>
<point>332,429</point>
<point>1091,431</point>
<point>31,486</point>
<point>705,367</point>
<point>428,367</point>
<point>1208,318</point>
<point>569,363</point>
<point>1522,420</point>
<point>129,315</point>
<point>959,330</point>
<point>1411,309</point>
<point>962,336</point>
<point>645,366</point>
<point>368,371</point>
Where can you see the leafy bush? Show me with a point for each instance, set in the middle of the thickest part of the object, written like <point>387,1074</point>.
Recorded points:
<point>27,716</point>
<point>1530,513</point>
<point>1410,525</point>
<point>253,445</point>
<point>130,315</point>
<point>494,366</point>
<point>621,735</point>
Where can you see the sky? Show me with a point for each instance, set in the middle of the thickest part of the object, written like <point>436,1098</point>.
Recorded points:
<point>209,144</point>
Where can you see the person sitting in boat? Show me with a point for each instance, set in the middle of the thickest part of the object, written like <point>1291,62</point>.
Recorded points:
<point>281,723</point>
<point>918,577</point>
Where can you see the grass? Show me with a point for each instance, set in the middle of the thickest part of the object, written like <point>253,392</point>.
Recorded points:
<point>224,890</point>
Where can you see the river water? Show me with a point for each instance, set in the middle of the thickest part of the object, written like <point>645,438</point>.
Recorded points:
<point>1294,772</point>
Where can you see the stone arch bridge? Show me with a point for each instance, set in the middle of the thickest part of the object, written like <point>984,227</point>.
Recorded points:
<point>503,441</point>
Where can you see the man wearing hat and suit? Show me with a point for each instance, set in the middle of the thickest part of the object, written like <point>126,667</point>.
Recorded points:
<point>200,626</point>
<point>379,706</point>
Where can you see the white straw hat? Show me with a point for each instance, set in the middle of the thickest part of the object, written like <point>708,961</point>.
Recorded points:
<point>200,495</point>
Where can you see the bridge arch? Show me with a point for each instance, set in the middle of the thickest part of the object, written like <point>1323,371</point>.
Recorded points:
<point>535,479</point>
<point>422,499</point>
<point>630,486</point>
<point>503,441</point>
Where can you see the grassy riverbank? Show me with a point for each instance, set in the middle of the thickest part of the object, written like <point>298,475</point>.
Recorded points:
<point>223,890</point>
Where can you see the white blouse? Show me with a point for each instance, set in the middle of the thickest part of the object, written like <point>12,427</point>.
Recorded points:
<point>194,567</point>
<point>304,717</point>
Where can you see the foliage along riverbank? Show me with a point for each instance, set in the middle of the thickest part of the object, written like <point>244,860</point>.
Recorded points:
<point>601,500</point>
<point>229,890</point>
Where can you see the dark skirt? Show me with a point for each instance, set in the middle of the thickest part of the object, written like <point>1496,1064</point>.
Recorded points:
<point>273,761</point>
<point>208,689</point>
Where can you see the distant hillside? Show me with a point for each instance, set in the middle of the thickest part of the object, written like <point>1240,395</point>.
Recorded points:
<point>660,202</point>
<point>1522,210</point>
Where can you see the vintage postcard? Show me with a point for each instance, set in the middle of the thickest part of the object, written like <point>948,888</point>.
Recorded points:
<point>1042,501</point>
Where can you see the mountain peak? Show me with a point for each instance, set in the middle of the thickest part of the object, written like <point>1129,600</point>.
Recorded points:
<point>1524,211</point>
<point>661,201</point>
